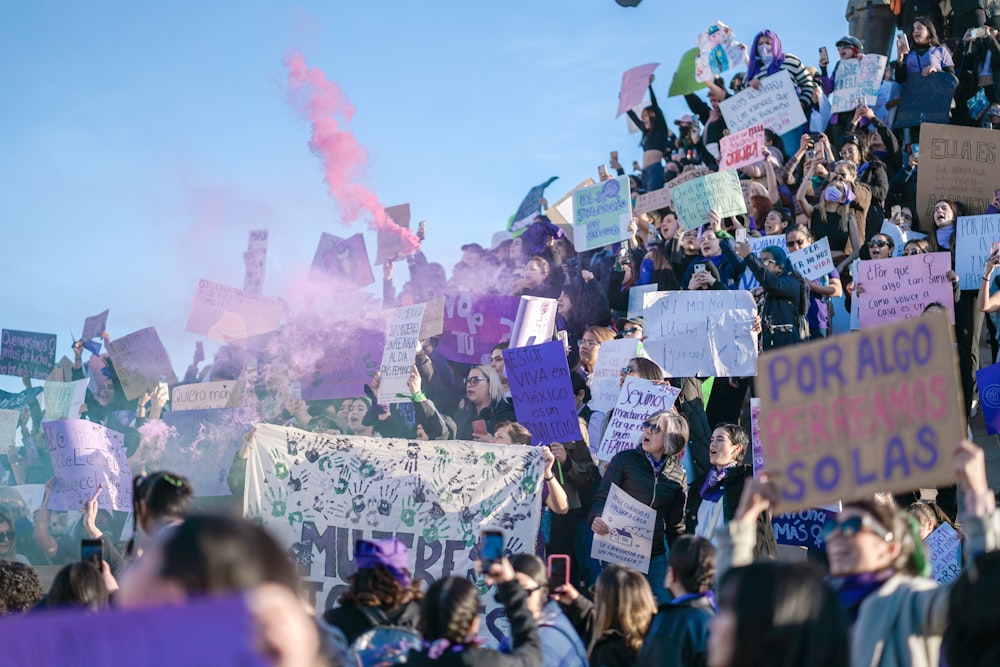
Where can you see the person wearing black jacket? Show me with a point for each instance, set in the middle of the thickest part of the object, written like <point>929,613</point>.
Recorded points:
<point>786,296</point>
<point>651,474</point>
<point>678,635</point>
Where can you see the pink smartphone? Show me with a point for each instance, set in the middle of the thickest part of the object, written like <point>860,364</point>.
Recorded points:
<point>479,427</point>
<point>558,567</point>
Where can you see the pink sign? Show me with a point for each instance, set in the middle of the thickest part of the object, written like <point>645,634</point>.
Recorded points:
<point>230,314</point>
<point>742,148</point>
<point>901,288</point>
<point>634,84</point>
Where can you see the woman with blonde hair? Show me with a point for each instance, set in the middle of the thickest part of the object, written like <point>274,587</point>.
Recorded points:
<point>590,346</point>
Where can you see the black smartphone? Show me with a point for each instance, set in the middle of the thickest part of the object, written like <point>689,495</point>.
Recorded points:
<point>92,551</point>
<point>558,571</point>
<point>492,549</point>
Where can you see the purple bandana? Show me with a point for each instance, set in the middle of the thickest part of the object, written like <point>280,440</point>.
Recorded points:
<point>389,553</point>
<point>711,490</point>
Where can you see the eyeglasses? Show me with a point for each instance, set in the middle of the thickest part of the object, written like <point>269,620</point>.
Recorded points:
<point>629,369</point>
<point>848,528</point>
<point>8,536</point>
<point>650,426</point>
<point>473,380</point>
<point>589,343</point>
<point>907,253</point>
<point>878,244</point>
<point>628,332</point>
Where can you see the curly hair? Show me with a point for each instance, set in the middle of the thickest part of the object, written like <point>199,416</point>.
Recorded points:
<point>377,587</point>
<point>448,610</point>
<point>692,560</point>
<point>20,587</point>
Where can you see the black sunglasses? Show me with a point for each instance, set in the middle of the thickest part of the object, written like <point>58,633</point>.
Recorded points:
<point>8,536</point>
<point>877,244</point>
<point>650,426</point>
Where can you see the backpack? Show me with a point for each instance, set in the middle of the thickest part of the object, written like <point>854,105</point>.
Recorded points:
<point>385,644</point>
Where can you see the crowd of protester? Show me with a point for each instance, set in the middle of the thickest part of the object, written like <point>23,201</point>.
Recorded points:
<point>715,593</point>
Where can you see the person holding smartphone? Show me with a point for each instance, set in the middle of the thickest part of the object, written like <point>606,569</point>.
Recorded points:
<point>927,55</point>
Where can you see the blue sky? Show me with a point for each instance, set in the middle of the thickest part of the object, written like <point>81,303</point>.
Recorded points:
<point>143,140</point>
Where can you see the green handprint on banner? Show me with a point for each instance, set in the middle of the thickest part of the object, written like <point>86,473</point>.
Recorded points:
<point>408,515</point>
<point>489,459</point>
<point>489,505</point>
<point>362,467</point>
<point>436,530</point>
<point>340,488</point>
<point>442,459</point>
<point>276,495</point>
<point>529,483</point>
<point>469,535</point>
<point>280,469</point>
<point>330,462</point>
<point>440,489</point>
<point>479,581</point>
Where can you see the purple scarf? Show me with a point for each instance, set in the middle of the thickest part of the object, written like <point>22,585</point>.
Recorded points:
<point>853,589</point>
<point>711,490</point>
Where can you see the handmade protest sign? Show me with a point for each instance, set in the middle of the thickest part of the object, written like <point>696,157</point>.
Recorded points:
<point>988,383</point>
<point>847,416</point>
<point>944,549</point>
<point>62,371</point>
<point>814,261</point>
<point>542,392</point>
<point>606,376</point>
<point>433,322</point>
<point>390,244</point>
<point>347,357</point>
<point>27,352</point>
<point>636,294</point>
<point>230,314</point>
<point>529,208</point>
<point>10,401</point>
<point>925,99</point>
<point>757,244</point>
<point>706,333</point>
<point>959,164</point>
<point>974,236</point>
<point>63,399</point>
<point>638,399</point>
<point>803,528</point>
<point>633,88</point>
<point>401,340</point>
<point>94,326</point>
<point>202,395</point>
<point>535,321</point>
<point>652,201</point>
<point>899,236</point>
<point>718,52</point>
<point>888,91</point>
<point>684,80</point>
<point>216,630</point>
<point>742,148</point>
<point>255,261</point>
<point>317,494</point>
<point>201,445</point>
<point>857,78</point>
<point>900,288</point>
<point>345,261</point>
<point>8,429</point>
<point>630,541</point>
<point>601,213</point>
<point>719,192</point>
<point>757,448</point>
<point>775,105</point>
<point>473,324</point>
<point>561,213</point>
<point>140,362</point>
<point>86,455</point>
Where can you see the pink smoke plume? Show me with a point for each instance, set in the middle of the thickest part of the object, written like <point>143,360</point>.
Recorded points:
<point>321,102</point>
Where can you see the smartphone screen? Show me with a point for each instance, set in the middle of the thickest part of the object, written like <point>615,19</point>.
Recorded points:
<point>916,150</point>
<point>492,549</point>
<point>741,235</point>
<point>92,551</point>
<point>558,571</point>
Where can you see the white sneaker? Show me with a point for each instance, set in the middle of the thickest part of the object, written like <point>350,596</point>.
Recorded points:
<point>974,410</point>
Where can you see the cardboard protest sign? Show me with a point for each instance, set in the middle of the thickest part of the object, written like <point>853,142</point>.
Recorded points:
<point>757,448</point>
<point>606,377</point>
<point>535,321</point>
<point>974,236</point>
<point>62,372</point>
<point>561,213</point>
<point>8,429</point>
<point>757,244</point>
<point>638,399</point>
<point>390,244</point>
<point>63,399</point>
<point>653,201</point>
<point>11,401</point>
<point>633,88</point>
<point>347,357</point>
<point>86,455</point>
<point>255,261</point>
<point>27,352</point>
<point>636,294</point>
<point>529,208</point>
<point>944,549</point>
<point>719,192</point>
<point>925,99</point>
<point>878,410</point>
<point>401,339</point>
<point>988,383</point>
<point>814,261</point>
<point>140,361</point>
<point>601,214</point>
<point>704,333</point>
<point>684,80</point>
<point>718,52</point>
<point>94,326</point>
<point>230,314</point>
<point>857,78</point>
<point>630,541</point>
<point>202,395</point>
<point>433,322</point>
<point>803,528</point>
<point>345,261</point>
<point>776,106</point>
<point>474,324</point>
<point>217,630</point>
<point>900,288</point>
<point>959,164</point>
<point>317,494</point>
<point>542,392</point>
<point>742,148</point>
<point>201,445</point>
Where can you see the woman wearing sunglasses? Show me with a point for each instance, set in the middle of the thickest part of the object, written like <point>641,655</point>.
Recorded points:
<point>484,401</point>
<point>821,291</point>
<point>652,474</point>
<point>878,566</point>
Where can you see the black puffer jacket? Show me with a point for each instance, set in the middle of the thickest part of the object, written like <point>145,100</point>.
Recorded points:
<point>354,621</point>
<point>678,635</point>
<point>501,411</point>
<point>783,303</point>
<point>732,489</point>
<point>665,493</point>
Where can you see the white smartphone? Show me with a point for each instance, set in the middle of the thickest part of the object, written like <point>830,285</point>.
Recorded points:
<point>741,235</point>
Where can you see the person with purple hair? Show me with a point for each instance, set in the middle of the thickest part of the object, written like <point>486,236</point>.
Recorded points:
<point>767,58</point>
<point>382,591</point>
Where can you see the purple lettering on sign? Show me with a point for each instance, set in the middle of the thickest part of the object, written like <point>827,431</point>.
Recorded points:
<point>474,324</point>
<point>542,392</point>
